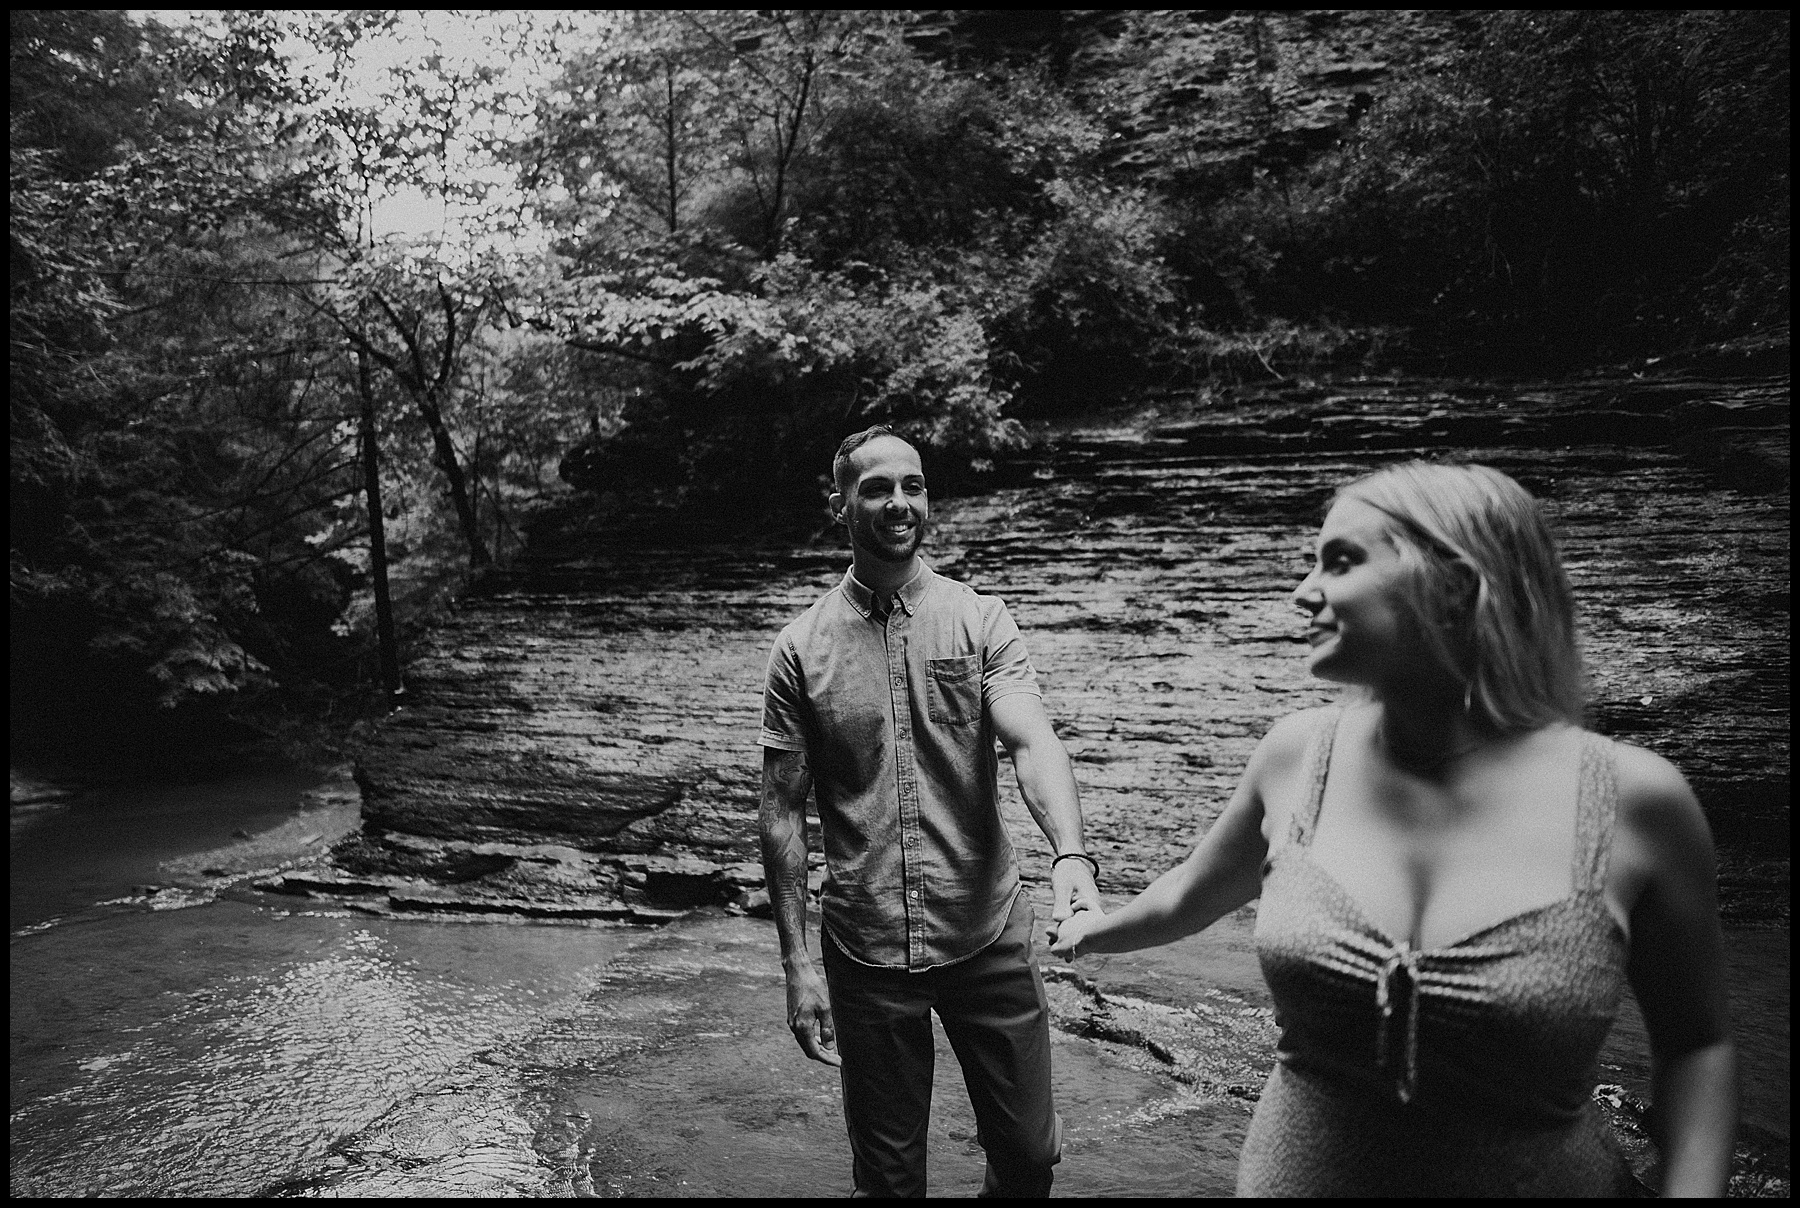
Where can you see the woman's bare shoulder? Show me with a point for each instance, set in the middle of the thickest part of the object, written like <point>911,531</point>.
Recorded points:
<point>1656,803</point>
<point>1271,781</point>
<point>1283,747</point>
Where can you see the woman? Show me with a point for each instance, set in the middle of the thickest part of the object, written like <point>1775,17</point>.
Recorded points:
<point>1456,880</point>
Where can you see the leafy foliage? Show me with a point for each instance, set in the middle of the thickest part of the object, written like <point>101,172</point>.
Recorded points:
<point>866,237</point>
<point>746,233</point>
<point>1595,182</point>
<point>191,290</point>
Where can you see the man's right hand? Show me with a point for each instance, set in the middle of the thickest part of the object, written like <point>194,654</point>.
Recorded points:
<point>809,1014</point>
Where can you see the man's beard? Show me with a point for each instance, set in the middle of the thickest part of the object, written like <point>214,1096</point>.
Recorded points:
<point>887,551</point>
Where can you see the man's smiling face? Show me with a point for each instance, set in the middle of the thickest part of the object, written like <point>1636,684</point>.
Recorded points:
<point>883,503</point>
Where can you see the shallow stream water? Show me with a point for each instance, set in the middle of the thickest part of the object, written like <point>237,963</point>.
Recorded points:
<point>180,1046</point>
<point>245,1046</point>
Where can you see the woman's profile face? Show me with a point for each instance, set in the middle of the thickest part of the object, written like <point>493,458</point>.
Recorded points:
<point>1361,631</point>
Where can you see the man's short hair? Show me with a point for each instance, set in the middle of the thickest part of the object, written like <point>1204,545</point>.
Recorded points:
<point>840,462</point>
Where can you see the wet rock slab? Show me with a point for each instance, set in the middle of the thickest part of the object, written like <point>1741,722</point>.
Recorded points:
<point>327,814</point>
<point>606,697</point>
<point>537,880</point>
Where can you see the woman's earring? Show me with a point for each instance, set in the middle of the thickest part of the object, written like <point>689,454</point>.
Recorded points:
<point>1469,698</point>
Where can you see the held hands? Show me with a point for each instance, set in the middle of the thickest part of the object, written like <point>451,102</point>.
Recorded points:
<point>1065,938</point>
<point>809,1015</point>
<point>1076,898</point>
<point>1072,885</point>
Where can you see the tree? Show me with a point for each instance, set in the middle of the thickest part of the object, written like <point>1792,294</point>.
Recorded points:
<point>150,451</point>
<point>1574,178</point>
<point>629,128</point>
<point>186,400</point>
<point>863,236</point>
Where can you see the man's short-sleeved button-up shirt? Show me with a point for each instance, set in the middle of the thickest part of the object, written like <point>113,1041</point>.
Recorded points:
<point>894,719</point>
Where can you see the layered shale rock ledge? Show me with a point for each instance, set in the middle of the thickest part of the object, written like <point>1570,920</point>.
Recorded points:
<point>1200,89</point>
<point>584,731</point>
<point>400,873</point>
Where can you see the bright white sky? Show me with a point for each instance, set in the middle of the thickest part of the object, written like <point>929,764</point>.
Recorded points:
<point>411,211</point>
<point>465,36</point>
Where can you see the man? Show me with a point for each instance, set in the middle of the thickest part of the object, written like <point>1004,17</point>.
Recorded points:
<point>885,698</point>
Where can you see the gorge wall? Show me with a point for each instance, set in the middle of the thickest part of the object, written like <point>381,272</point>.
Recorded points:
<point>1205,89</point>
<point>600,705</point>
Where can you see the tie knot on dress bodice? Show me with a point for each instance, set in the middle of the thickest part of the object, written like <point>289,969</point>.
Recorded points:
<point>1507,1020</point>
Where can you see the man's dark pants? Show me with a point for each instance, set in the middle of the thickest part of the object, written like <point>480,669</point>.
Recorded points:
<point>993,1010</point>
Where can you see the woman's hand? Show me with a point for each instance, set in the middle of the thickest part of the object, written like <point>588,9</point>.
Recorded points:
<point>1065,943</point>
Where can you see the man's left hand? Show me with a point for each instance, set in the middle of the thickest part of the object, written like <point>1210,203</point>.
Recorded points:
<point>1072,883</point>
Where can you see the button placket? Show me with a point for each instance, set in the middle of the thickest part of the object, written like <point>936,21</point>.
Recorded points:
<point>907,785</point>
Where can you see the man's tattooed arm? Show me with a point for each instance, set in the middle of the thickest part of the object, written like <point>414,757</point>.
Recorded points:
<point>782,824</point>
<point>787,782</point>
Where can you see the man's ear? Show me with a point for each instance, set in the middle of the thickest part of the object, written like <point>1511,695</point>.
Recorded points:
<point>835,505</point>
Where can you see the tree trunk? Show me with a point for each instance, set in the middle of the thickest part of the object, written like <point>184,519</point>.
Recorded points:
<point>669,145</point>
<point>385,640</point>
<point>501,523</point>
<point>459,487</point>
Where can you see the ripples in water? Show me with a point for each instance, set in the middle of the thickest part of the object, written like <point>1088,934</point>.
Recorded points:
<point>129,1081</point>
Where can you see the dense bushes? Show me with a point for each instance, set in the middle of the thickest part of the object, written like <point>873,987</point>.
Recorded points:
<point>1582,183</point>
<point>956,248</point>
<point>918,248</point>
<point>186,515</point>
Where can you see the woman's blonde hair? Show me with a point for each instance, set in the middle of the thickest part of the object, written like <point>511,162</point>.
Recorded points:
<point>1492,599</point>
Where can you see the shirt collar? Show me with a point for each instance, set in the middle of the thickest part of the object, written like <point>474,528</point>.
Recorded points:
<point>909,595</point>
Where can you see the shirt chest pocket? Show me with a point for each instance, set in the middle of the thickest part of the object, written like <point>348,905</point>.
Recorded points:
<point>954,691</point>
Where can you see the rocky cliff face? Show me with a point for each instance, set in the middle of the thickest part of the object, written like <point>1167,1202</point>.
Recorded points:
<point>1204,90</point>
<point>589,728</point>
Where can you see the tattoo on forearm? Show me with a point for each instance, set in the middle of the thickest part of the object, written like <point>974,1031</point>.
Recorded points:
<point>787,780</point>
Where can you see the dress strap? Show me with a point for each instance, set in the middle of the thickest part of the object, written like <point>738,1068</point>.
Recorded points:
<point>1318,763</point>
<point>1596,805</point>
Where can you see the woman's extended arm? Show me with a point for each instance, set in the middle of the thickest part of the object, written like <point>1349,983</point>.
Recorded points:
<point>1223,873</point>
<point>1677,970</point>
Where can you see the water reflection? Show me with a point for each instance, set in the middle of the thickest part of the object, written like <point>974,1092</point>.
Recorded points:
<point>112,836</point>
<point>302,1030</point>
<point>227,1050</point>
